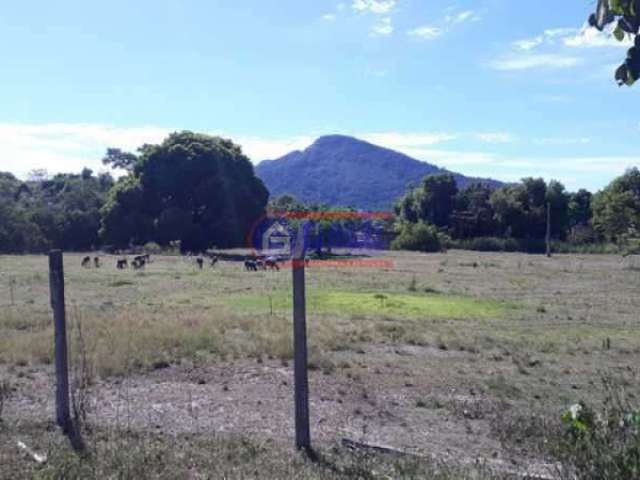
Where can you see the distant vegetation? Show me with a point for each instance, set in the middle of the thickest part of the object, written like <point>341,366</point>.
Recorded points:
<point>195,191</point>
<point>514,217</point>
<point>61,211</point>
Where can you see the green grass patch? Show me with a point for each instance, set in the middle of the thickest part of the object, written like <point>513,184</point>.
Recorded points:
<point>397,305</point>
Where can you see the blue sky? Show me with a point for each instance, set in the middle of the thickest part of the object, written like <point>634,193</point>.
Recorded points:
<point>500,88</point>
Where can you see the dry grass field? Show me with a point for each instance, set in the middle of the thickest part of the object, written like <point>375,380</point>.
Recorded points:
<point>446,357</point>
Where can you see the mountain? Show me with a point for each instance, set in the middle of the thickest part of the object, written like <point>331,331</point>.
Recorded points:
<point>343,171</point>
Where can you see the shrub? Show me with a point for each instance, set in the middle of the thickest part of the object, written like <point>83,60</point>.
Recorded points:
<point>530,245</point>
<point>152,247</point>
<point>487,244</point>
<point>603,445</point>
<point>418,237</point>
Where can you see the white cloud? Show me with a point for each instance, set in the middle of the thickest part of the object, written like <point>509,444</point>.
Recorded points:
<point>548,37</point>
<point>528,43</point>
<point>562,141</point>
<point>531,61</point>
<point>495,137</point>
<point>417,141</point>
<point>585,37</point>
<point>382,27</point>
<point>452,159</point>
<point>555,48</point>
<point>426,32</point>
<point>589,37</point>
<point>379,7</point>
<point>575,172</point>
<point>461,17</point>
<point>66,147</point>
<point>329,17</point>
<point>399,140</point>
<point>433,31</point>
<point>258,148</point>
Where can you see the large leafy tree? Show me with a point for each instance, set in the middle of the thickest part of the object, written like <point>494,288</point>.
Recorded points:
<point>521,210</point>
<point>616,209</point>
<point>433,201</point>
<point>473,215</point>
<point>558,200</point>
<point>579,208</point>
<point>623,17</point>
<point>195,188</point>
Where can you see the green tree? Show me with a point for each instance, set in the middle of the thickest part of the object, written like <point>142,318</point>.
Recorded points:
<point>124,220</point>
<point>52,211</point>
<point>579,208</point>
<point>116,158</point>
<point>521,210</point>
<point>473,215</point>
<point>432,202</point>
<point>625,15</point>
<point>418,237</point>
<point>287,203</point>
<point>616,209</point>
<point>558,199</point>
<point>510,210</point>
<point>198,189</point>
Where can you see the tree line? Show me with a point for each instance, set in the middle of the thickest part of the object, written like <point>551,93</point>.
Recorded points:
<point>192,190</point>
<point>515,215</point>
<point>199,191</point>
<point>62,211</point>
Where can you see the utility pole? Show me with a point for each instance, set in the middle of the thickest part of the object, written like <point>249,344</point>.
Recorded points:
<point>548,236</point>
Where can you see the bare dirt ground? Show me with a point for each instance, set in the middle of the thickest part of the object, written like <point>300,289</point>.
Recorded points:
<point>440,388</point>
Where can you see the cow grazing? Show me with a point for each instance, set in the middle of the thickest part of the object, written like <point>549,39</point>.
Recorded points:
<point>271,263</point>
<point>140,258</point>
<point>214,260</point>
<point>138,263</point>
<point>250,265</point>
<point>96,262</point>
<point>86,262</point>
<point>122,263</point>
<point>200,262</point>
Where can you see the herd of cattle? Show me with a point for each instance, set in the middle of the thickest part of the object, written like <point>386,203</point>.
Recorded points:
<point>139,262</point>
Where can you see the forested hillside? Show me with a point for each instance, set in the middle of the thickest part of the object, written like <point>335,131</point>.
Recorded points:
<point>343,171</point>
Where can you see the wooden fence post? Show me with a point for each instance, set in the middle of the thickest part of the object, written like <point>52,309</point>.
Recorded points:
<point>303,438</point>
<point>56,287</point>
